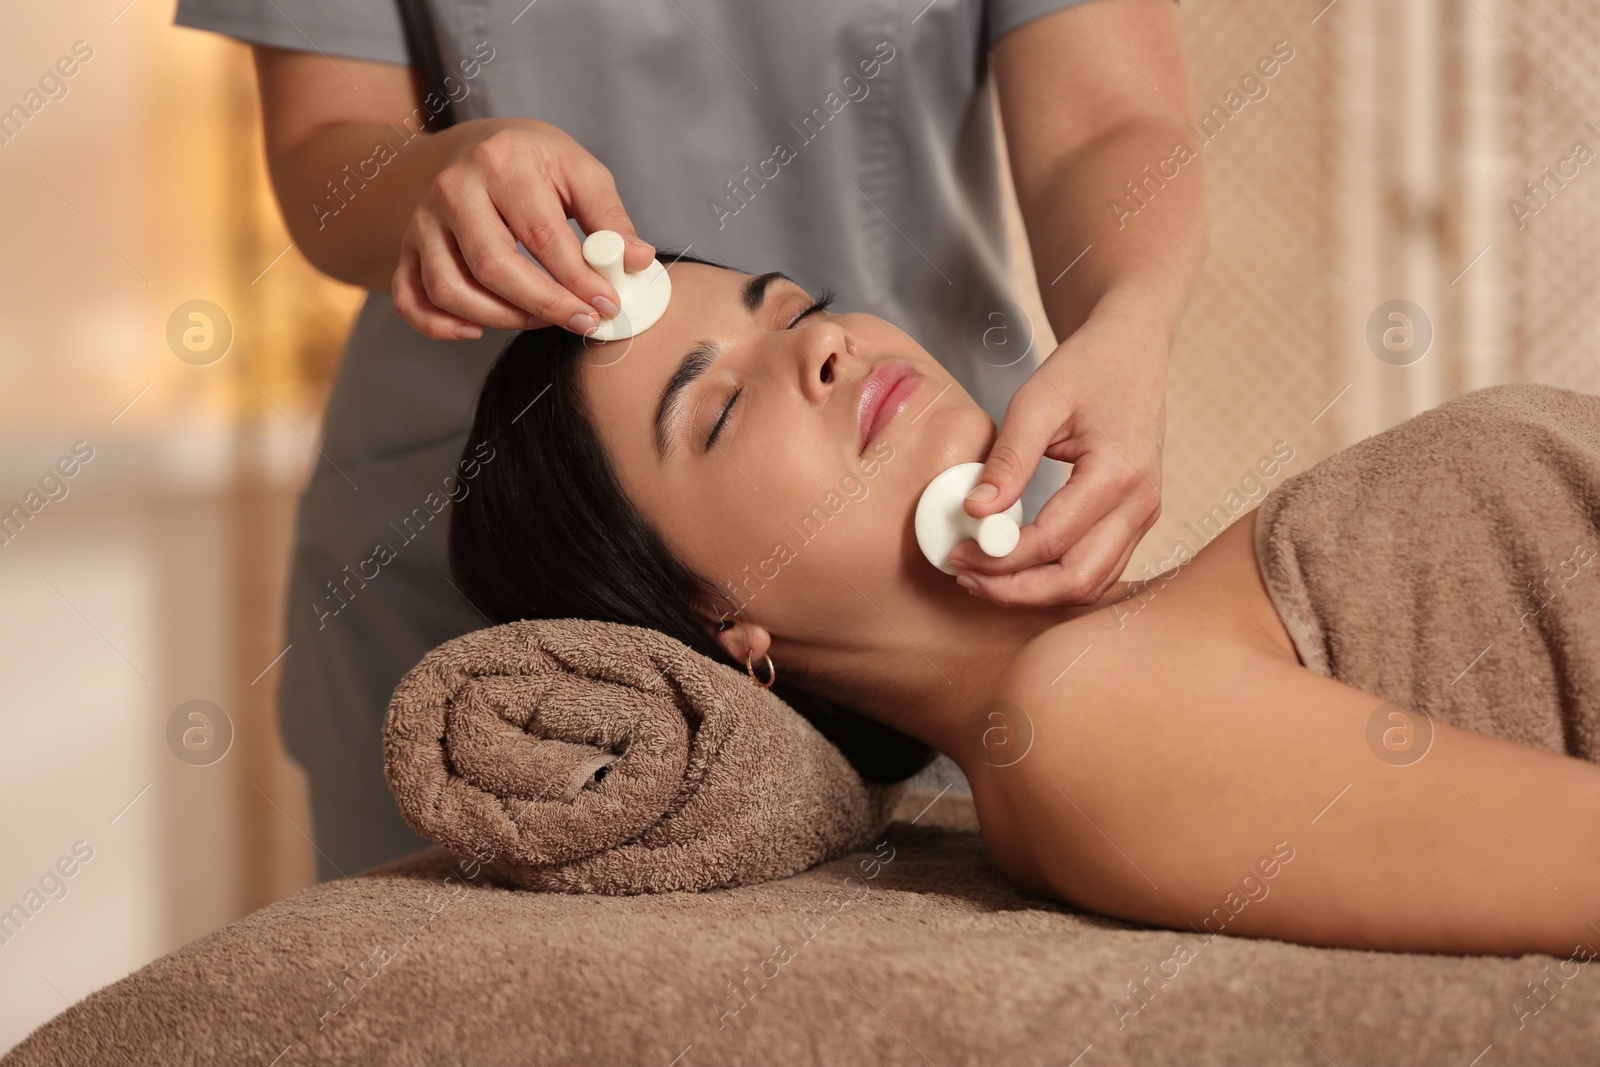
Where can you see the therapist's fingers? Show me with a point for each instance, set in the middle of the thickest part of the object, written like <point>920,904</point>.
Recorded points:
<point>1082,577</point>
<point>1091,493</point>
<point>411,303</point>
<point>1103,482</point>
<point>538,218</point>
<point>537,179</point>
<point>1036,419</point>
<point>1080,543</point>
<point>495,279</point>
<point>592,197</point>
<point>518,184</point>
<point>450,287</point>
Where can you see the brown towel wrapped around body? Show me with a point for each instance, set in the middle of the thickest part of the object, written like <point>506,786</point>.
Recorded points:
<point>1451,565</point>
<point>495,744</point>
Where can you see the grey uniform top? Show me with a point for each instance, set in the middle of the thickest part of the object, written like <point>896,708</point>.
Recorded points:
<point>848,143</point>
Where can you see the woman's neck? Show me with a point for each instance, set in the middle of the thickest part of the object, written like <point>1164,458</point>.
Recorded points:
<point>924,656</point>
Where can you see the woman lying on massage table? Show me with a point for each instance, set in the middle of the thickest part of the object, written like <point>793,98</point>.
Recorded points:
<point>633,485</point>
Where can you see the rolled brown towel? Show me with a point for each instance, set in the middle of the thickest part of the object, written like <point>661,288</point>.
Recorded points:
<point>583,756</point>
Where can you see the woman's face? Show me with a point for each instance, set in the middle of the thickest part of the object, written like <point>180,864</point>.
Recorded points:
<point>759,479</point>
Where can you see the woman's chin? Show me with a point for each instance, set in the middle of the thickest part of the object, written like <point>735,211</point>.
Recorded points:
<point>943,438</point>
<point>961,433</point>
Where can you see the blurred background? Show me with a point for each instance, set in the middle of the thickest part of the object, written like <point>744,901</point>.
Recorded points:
<point>1387,160</point>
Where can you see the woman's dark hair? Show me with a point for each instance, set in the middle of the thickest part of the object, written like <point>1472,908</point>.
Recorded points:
<point>548,533</point>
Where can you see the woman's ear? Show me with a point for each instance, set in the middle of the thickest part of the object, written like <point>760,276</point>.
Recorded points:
<point>740,638</point>
<point>744,641</point>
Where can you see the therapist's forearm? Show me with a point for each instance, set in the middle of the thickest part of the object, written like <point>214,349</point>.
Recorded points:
<point>1142,257</point>
<point>345,210</point>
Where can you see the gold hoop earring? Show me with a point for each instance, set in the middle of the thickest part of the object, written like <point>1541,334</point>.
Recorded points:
<point>772,672</point>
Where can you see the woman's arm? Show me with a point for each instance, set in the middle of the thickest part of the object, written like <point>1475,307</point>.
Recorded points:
<point>1184,776</point>
<point>434,217</point>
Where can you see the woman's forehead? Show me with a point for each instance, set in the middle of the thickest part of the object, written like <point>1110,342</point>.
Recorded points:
<point>622,380</point>
<point>706,300</point>
<point>698,291</point>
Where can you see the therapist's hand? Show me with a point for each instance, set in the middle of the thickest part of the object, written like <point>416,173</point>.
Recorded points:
<point>460,270</point>
<point>1099,403</point>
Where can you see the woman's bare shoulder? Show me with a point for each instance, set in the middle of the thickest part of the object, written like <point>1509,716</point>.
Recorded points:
<point>1213,599</point>
<point>1064,691</point>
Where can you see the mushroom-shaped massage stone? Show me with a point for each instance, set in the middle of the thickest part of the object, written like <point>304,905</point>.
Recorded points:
<point>942,522</point>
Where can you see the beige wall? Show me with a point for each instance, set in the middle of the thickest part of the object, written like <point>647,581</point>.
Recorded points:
<point>1378,165</point>
<point>156,579</point>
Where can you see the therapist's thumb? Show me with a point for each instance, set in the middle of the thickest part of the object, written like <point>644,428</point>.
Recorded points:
<point>1017,450</point>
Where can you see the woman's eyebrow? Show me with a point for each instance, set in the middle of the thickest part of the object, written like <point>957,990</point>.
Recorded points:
<point>696,363</point>
<point>755,290</point>
<point>700,358</point>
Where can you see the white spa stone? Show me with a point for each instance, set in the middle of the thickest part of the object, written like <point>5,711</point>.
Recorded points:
<point>942,522</point>
<point>644,293</point>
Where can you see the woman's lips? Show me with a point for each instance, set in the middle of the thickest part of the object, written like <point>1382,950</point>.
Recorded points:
<point>883,395</point>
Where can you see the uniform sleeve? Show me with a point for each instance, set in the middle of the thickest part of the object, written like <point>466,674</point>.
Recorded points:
<point>360,29</point>
<point>1001,16</point>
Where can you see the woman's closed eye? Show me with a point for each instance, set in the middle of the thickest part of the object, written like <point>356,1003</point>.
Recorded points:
<point>822,304</point>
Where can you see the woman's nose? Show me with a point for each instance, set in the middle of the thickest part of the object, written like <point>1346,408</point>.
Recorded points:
<point>823,349</point>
